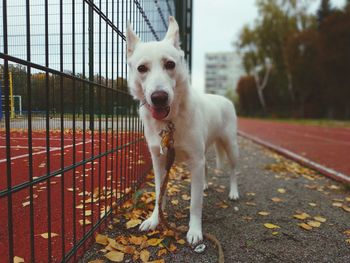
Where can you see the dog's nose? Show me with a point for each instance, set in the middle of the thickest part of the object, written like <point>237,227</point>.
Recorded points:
<point>159,98</point>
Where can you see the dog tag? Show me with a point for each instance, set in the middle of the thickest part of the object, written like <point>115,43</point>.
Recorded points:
<point>200,248</point>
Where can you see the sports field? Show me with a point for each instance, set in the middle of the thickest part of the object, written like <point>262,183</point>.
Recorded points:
<point>85,178</point>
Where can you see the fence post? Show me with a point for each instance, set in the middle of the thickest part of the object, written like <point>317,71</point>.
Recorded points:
<point>91,64</point>
<point>184,19</point>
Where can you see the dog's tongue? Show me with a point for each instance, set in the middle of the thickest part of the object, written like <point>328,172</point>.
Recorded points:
<point>159,113</point>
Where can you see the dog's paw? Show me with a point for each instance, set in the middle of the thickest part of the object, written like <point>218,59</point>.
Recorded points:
<point>233,195</point>
<point>194,236</point>
<point>149,224</point>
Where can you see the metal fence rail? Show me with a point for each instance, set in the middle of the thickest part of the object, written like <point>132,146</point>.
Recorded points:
<point>76,149</point>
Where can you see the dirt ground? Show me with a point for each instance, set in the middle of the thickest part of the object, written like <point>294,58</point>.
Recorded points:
<point>286,213</point>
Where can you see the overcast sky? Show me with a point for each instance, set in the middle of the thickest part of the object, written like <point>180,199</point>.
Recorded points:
<point>216,25</point>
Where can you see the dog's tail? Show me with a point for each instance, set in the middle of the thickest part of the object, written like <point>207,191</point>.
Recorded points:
<point>220,155</point>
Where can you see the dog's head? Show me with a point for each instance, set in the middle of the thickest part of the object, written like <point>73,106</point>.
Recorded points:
<point>156,70</point>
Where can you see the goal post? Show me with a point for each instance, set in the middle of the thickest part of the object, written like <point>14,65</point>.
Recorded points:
<point>15,106</point>
<point>0,100</point>
<point>12,104</point>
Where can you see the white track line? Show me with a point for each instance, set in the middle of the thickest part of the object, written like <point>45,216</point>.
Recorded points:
<point>37,138</point>
<point>23,147</point>
<point>53,149</point>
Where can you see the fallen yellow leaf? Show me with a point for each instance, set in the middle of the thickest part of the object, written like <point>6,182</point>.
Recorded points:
<point>271,226</point>
<point>185,197</point>
<point>305,226</point>
<point>24,204</point>
<point>18,259</point>
<point>154,241</point>
<point>347,232</point>
<point>337,204</point>
<point>87,222</point>
<point>320,219</point>
<point>347,240</point>
<point>157,261</point>
<point>115,245</point>
<point>88,212</point>
<point>144,255</point>
<point>136,256</point>
<point>263,213</point>
<point>175,202</point>
<point>314,223</point>
<point>312,204</point>
<point>169,233</point>
<point>136,240</point>
<point>129,250</point>
<point>46,235</point>
<point>346,208</point>
<point>281,190</point>
<point>222,205</point>
<point>115,256</point>
<point>162,252</point>
<point>301,216</point>
<point>181,242</point>
<point>97,261</point>
<point>333,187</point>
<point>276,200</point>
<point>101,239</point>
<point>132,223</point>
<point>172,247</point>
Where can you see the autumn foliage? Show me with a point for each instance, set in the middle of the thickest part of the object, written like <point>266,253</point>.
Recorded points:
<point>310,57</point>
<point>321,70</point>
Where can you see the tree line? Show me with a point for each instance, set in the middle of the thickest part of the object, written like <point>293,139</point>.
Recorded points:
<point>62,94</point>
<point>297,64</point>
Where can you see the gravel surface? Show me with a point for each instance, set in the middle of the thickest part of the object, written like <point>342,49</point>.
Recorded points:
<point>269,183</point>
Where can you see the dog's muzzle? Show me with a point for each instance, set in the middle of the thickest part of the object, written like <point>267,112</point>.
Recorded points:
<point>159,108</point>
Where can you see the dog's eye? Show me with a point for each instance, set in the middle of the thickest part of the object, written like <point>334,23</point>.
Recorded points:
<point>170,65</point>
<point>142,69</point>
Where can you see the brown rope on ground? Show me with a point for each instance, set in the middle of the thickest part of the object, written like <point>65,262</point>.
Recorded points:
<point>167,142</point>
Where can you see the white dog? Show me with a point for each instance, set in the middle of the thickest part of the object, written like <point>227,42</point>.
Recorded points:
<point>158,78</point>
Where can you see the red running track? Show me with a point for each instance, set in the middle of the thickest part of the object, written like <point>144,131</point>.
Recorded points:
<point>326,149</point>
<point>113,175</point>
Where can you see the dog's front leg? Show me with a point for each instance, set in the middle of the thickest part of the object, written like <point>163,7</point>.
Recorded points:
<point>194,234</point>
<point>158,162</point>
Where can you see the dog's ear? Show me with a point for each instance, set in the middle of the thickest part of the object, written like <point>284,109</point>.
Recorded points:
<point>131,40</point>
<point>172,34</point>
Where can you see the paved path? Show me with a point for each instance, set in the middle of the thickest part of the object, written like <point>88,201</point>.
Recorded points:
<point>322,148</point>
<point>272,190</point>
